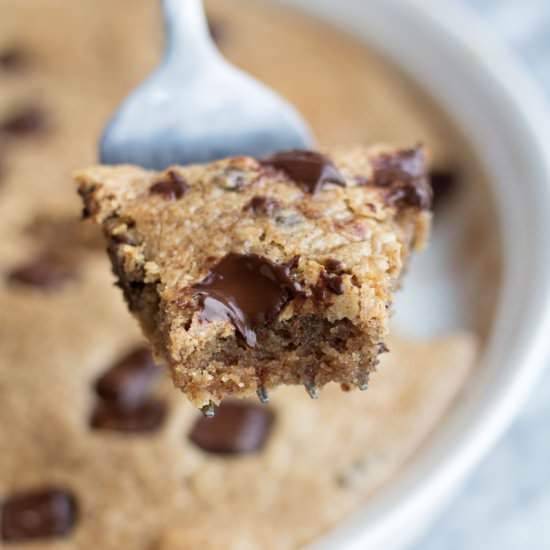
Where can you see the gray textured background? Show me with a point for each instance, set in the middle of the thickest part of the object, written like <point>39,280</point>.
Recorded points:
<point>505,505</point>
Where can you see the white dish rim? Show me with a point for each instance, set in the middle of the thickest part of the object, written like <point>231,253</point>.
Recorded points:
<point>518,350</point>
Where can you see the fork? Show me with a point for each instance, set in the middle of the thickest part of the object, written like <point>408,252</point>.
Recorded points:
<point>196,107</point>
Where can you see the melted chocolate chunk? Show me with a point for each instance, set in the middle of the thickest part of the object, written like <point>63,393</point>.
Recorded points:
<point>38,515</point>
<point>46,272</point>
<point>13,59</point>
<point>247,290</point>
<point>263,206</point>
<point>130,381</point>
<point>404,175</point>
<point>444,183</point>
<point>28,120</point>
<point>238,427</point>
<point>172,187</point>
<point>310,170</point>
<point>143,418</point>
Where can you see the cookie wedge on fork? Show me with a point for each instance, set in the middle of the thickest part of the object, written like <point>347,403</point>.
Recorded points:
<point>248,274</point>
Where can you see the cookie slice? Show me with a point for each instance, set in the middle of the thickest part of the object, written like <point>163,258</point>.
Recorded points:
<point>248,274</point>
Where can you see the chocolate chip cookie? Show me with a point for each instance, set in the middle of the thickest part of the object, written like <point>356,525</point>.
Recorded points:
<point>97,450</point>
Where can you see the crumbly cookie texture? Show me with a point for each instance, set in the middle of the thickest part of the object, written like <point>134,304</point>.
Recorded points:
<point>249,274</point>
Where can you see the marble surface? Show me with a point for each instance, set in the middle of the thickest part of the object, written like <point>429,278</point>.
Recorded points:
<point>505,504</point>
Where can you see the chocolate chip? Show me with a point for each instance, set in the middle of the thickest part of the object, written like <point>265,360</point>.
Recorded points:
<point>246,289</point>
<point>13,59</point>
<point>146,417</point>
<point>403,173</point>
<point>310,170</point>
<point>327,282</point>
<point>238,427</point>
<point>130,381</point>
<point>27,120</point>
<point>172,186</point>
<point>38,515</point>
<point>125,401</point>
<point>47,272</point>
<point>444,183</point>
<point>263,206</point>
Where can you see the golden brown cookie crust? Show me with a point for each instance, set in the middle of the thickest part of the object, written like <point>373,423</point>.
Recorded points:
<point>342,249</point>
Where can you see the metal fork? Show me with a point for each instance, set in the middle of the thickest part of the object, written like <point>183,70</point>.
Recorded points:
<point>196,107</point>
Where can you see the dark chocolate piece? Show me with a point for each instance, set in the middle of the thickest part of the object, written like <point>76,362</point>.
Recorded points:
<point>238,427</point>
<point>130,381</point>
<point>309,169</point>
<point>403,173</point>
<point>327,282</point>
<point>171,187</point>
<point>38,515</point>
<point>125,403</point>
<point>27,120</point>
<point>143,418</point>
<point>247,290</point>
<point>46,272</point>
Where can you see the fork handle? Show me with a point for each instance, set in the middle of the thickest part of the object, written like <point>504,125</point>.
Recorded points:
<point>186,30</point>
